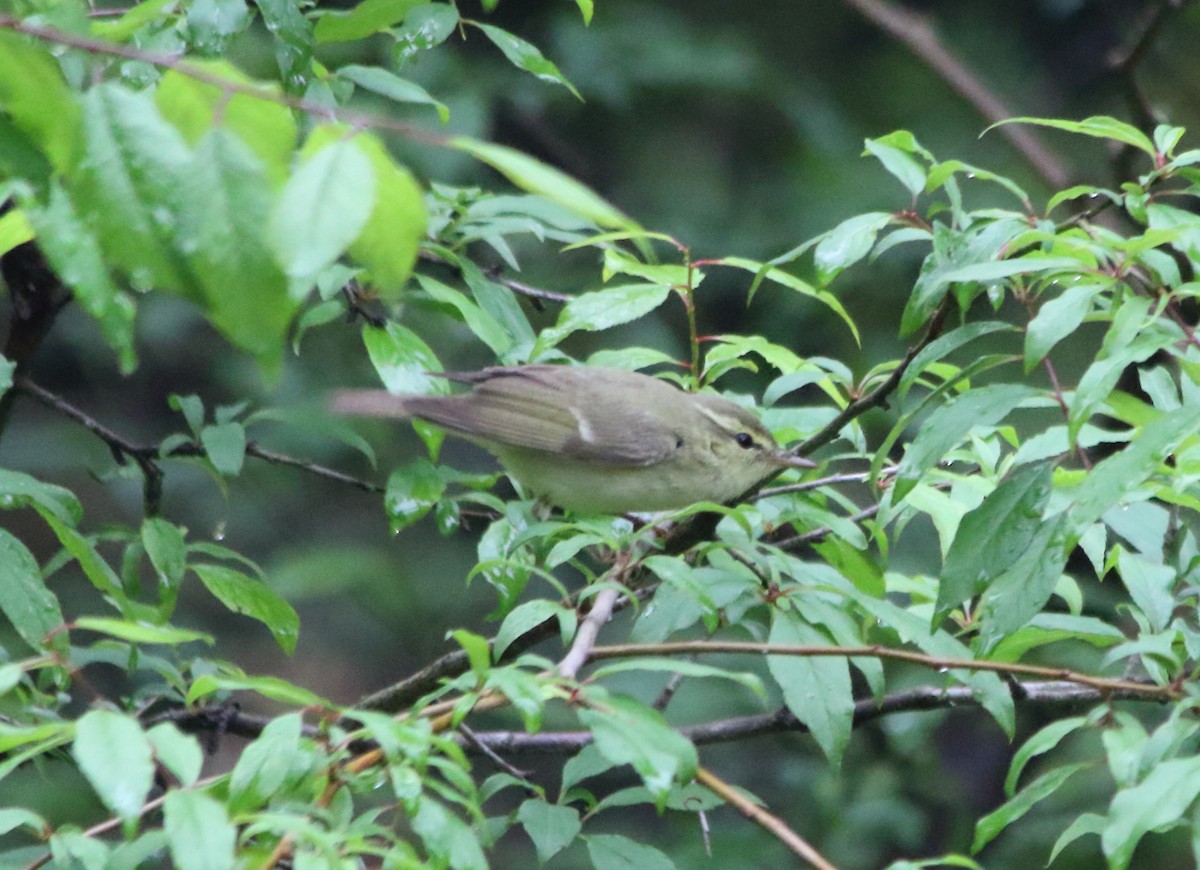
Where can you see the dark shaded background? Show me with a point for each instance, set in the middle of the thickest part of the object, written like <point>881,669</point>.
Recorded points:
<point>738,129</point>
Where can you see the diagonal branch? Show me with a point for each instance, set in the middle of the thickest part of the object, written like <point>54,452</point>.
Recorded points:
<point>916,33</point>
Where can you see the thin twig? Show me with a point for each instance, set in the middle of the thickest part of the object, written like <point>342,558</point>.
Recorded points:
<point>173,62</point>
<point>805,538</point>
<point>938,663</point>
<point>914,31</point>
<point>1034,694</point>
<point>761,817</point>
<point>878,396</point>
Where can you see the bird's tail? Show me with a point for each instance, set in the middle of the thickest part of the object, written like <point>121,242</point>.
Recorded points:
<point>369,403</point>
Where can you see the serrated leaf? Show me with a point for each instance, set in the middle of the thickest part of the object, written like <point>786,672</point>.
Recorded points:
<point>447,837</point>
<point>269,687</point>
<point>115,756</point>
<point>899,163</point>
<point>246,595</point>
<point>412,491</point>
<point>267,763</point>
<point>521,619</point>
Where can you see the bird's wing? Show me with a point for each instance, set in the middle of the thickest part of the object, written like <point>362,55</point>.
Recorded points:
<point>549,408</point>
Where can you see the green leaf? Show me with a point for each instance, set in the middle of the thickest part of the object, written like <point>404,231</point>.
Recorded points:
<point>411,492</point>
<point>117,759</point>
<point>83,551</point>
<point>847,243</point>
<point>486,328</point>
<point>199,831</point>
<point>683,668</point>
<point>1021,591</point>
<point>323,207</point>
<point>994,536</point>
<point>949,424</point>
<point>613,852</point>
<point>167,549</point>
<point>140,632</point>
<point>12,818</point>
<point>898,161</point>
<point>603,309</point>
<point>945,345</point>
<point>34,94</point>
<point>15,230</point>
<point>73,251</point>
<point>225,446</point>
<point>1041,742</point>
<point>552,827</point>
<point>243,594</point>
<point>365,18</point>
<point>1151,586</point>
<point>523,55</point>
<point>1098,126</point>
<point>403,360</point>
<point>263,768</point>
<point>526,616</point>
<point>447,837</point>
<point>32,609</point>
<point>180,753</point>
<point>226,209</point>
<point>790,281</point>
<point>1161,799</point>
<point>258,120</point>
<point>6,374</point>
<point>1007,813</point>
<point>269,687</point>
<point>1056,319</point>
<point>629,732</point>
<point>128,186</point>
<point>532,175</point>
<point>18,490</point>
<point>1112,479</point>
<point>425,26</point>
<point>390,85</point>
<point>388,243</point>
<point>815,688</point>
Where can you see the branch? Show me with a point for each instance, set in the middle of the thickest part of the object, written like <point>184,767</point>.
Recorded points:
<point>147,456</point>
<point>759,815</point>
<point>1036,694</point>
<point>693,647</point>
<point>259,92</point>
<point>878,396</point>
<point>585,636</point>
<point>915,32</point>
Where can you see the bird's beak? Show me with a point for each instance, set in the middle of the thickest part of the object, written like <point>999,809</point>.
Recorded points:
<point>790,460</point>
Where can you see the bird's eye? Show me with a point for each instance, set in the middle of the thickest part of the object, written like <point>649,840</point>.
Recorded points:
<point>744,440</point>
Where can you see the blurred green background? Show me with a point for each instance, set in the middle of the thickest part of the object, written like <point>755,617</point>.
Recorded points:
<point>737,128</point>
